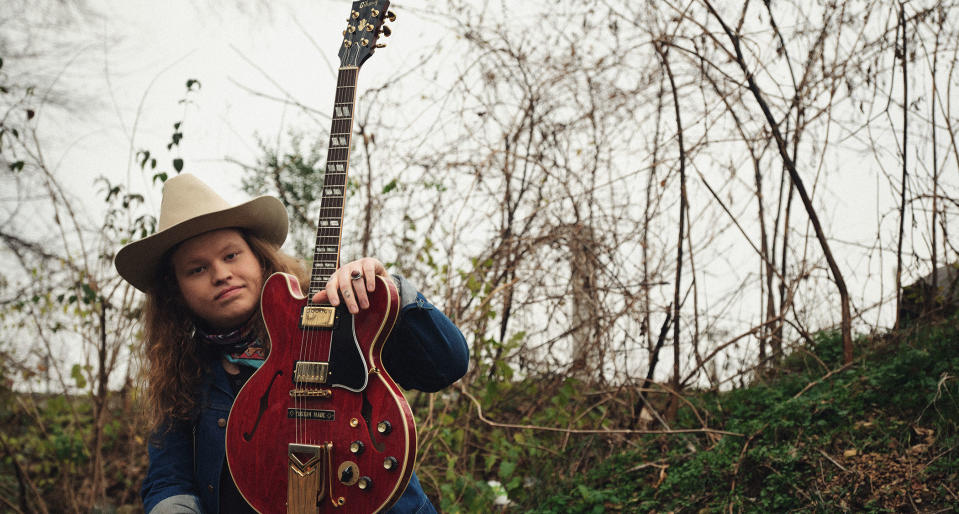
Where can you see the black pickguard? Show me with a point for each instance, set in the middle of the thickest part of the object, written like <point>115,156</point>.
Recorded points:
<point>347,365</point>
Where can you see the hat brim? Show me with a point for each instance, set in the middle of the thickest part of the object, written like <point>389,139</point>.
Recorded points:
<point>264,216</point>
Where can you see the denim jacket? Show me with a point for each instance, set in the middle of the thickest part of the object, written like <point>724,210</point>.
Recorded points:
<point>425,351</point>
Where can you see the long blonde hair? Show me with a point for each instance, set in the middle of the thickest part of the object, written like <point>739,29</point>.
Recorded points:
<point>175,362</point>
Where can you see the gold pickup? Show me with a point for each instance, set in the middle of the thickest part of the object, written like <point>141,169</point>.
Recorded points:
<point>318,317</point>
<point>307,372</point>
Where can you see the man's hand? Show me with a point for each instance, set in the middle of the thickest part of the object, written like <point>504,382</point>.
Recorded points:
<point>351,283</point>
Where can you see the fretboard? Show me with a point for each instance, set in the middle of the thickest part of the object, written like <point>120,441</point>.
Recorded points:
<point>329,227</point>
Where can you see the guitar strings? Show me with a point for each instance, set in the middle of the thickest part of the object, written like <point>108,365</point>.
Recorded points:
<point>310,343</point>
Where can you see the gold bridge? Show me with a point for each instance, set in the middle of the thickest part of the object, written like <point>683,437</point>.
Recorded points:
<point>306,486</point>
<point>311,393</point>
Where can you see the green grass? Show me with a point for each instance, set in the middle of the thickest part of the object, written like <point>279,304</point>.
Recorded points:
<point>880,436</point>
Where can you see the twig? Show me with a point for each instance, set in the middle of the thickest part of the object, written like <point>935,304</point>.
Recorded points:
<point>23,478</point>
<point>646,465</point>
<point>953,493</point>
<point>742,455</point>
<point>934,459</point>
<point>484,419</point>
<point>822,379</point>
<point>838,465</point>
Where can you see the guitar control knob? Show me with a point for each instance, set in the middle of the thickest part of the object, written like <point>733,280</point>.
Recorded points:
<point>384,427</point>
<point>364,483</point>
<point>356,447</point>
<point>346,476</point>
<point>390,463</point>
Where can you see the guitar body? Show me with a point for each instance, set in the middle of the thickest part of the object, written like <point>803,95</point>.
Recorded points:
<point>321,427</point>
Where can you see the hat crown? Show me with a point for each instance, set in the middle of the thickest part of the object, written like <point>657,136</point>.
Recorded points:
<point>186,197</point>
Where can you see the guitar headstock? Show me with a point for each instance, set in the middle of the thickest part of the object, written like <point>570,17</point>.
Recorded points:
<point>364,27</point>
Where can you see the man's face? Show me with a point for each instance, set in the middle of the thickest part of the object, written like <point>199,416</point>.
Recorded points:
<point>219,277</point>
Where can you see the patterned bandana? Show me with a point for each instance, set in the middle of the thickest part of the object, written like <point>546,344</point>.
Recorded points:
<point>239,345</point>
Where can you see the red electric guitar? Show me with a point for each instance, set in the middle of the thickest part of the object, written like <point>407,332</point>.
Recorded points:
<point>321,427</point>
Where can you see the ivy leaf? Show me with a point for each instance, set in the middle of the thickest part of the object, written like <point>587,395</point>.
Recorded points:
<point>506,469</point>
<point>389,187</point>
<point>77,374</point>
<point>178,164</point>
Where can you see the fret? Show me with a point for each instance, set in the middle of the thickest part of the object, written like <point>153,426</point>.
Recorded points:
<point>337,154</point>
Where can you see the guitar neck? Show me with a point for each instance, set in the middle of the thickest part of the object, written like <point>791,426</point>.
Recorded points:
<point>329,227</point>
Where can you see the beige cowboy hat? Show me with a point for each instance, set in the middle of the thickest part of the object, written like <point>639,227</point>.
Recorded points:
<point>190,208</point>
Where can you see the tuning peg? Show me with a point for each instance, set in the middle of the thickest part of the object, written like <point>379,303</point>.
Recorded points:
<point>375,13</point>
<point>390,15</point>
<point>380,45</point>
<point>354,15</point>
<point>386,31</point>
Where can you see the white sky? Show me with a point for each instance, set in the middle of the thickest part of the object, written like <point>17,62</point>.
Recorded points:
<point>145,52</point>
